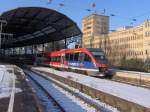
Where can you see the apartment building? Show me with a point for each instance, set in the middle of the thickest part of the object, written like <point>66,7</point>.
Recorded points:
<point>93,26</point>
<point>128,42</point>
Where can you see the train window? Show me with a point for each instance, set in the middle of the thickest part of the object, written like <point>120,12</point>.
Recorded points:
<point>67,56</point>
<point>47,59</point>
<point>57,59</point>
<point>87,58</point>
<point>71,57</point>
<point>81,57</point>
<point>99,55</point>
<point>52,59</point>
<point>76,56</point>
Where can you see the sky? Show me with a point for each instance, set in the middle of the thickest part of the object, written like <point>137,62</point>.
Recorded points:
<point>127,12</point>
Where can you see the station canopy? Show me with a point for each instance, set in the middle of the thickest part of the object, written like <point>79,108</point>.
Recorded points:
<point>36,25</point>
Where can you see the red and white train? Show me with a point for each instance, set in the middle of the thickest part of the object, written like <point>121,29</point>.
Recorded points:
<point>90,61</point>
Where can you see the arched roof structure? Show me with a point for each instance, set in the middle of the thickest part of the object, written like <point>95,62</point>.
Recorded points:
<point>36,25</point>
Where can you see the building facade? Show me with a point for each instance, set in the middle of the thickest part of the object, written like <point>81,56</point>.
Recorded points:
<point>128,42</point>
<point>93,26</point>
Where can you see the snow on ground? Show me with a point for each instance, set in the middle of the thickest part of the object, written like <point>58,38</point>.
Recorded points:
<point>48,106</point>
<point>67,102</point>
<point>132,74</point>
<point>131,93</point>
<point>6,81</point>
<point>104,106</point>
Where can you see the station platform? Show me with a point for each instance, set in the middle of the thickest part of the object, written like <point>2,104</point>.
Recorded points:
<point>16,95</point>
<point>124,96</point>
<point>132,77</point>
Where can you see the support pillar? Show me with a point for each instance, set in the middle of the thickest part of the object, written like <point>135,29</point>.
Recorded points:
<point>65,43</point>
<point>32,49</point>
<point>4,52</point>
<point>53,46</point>
<point>12,51</point>
<point>43,47</point>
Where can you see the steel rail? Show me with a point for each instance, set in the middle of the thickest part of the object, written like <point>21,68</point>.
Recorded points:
<point>46,92</point>
<point>77,95</point>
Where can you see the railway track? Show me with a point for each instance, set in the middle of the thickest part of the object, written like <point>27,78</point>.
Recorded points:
<point>138,82</point>
<point>80,97</point>
<point>55,106</point>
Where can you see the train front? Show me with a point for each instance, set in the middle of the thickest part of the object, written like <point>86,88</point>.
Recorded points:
<point>100,61</point>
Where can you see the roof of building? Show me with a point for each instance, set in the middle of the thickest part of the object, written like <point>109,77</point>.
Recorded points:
<point>94,14</point>
<point>36,25</point>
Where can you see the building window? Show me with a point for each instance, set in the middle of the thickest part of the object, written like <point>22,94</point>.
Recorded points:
<point>147,34</point>
<point>88,27</point>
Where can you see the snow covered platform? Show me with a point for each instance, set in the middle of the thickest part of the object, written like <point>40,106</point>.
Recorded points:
<point>15,93</point>
<point>136,78</point>
<point>125,97</point>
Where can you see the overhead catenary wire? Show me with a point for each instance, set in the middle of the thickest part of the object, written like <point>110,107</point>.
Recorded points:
<point>92,9</point>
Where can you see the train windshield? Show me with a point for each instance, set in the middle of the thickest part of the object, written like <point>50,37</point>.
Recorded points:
<point>98,55</point>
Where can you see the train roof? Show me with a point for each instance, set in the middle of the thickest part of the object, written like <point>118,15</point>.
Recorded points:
<point>75,50</point>
<point>94,49</point>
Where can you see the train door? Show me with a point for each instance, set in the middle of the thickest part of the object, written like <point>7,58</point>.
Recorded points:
<point>76,60</point>
<point>66,59</point>
<point>81,60</point>
<point>62,61</point>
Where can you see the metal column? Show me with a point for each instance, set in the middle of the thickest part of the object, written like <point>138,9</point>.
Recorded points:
<point>1,29</point>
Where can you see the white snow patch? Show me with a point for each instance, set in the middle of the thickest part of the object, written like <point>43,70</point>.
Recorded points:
<point>6,92</point>
<point>105,107</point>
<point>66,102</point>
<point>128,92</point>
<point>102,104</point>
<point>6,81</point>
